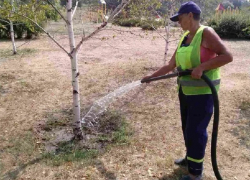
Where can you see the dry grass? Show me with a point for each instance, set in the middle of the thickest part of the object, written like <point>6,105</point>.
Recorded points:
<point>35,88</point>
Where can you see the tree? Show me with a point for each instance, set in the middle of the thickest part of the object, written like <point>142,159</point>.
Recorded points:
<point>148,10</point>
<point>236,3</point>
<point>228,5</point>
<point>245,3</point>
<point>8,19</point>
<point>207,7</point>
<point>74,48</point>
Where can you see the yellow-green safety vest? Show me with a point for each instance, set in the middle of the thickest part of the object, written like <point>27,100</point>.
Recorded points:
<point>188,58</point>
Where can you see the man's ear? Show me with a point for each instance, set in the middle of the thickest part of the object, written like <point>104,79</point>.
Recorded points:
<point>190,15</point>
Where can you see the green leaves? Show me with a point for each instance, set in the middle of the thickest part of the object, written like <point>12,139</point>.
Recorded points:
<point>23,10</point>
<point>143,8</point>
<point>231,24</point>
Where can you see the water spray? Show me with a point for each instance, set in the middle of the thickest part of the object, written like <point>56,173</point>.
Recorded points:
<point>216,113</point>
<point>100,106</point>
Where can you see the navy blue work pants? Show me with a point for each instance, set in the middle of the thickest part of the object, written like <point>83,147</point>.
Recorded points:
<point>196,112</point>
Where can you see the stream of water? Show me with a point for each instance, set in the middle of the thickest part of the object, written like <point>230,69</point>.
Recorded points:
<point>101,105</point>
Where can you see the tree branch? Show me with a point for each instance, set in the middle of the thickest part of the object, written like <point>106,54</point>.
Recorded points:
<point>156,11</point>
<point>23,43</point>
<point>117,10</point>
<point>58,12</point>
<point>156,30</point>
<point>123,31</point>
<point>9,22</point>
<point>104,24</point>
<point>114,13</point>
<point>75,9</point>
<point>89,36</point>
<point>45,33</point>
<point>4,21</point>
<point>173,40</point>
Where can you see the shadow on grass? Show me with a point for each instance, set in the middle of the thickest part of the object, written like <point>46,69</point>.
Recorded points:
<point>104,172</point>
<point>175,175</point>
<point>112,130</point>
<point>14,173</point>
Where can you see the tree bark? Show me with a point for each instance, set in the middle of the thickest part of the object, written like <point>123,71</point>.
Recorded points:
<point>77,128</point>
<point>167,30</point>
<point>12,35</point>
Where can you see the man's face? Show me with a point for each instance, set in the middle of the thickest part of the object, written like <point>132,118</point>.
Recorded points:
<point>184,21</point>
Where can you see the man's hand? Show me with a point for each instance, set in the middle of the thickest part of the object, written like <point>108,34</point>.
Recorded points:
<point>147,77</point>
<point>197,72</point>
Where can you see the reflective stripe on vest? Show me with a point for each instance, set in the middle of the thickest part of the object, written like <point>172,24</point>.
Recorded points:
<point>197,83</point>
<point>195,160</point>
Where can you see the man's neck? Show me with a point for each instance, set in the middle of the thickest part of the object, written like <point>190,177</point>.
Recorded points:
<point>194,29</point>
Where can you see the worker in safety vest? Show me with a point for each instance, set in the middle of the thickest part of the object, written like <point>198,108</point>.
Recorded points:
<point>201,50</point>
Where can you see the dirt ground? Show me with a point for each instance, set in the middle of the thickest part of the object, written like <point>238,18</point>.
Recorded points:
<point>35,86</point>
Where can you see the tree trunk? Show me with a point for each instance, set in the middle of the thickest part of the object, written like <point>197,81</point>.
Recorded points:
<point>12,35</point>
<point>167,30</point>
<point>77,128</point>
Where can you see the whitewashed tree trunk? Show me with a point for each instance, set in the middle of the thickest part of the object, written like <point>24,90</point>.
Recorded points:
<point>166,46</point>
<point>12,35</point>
<point>167,30</point>
<point>77,129</point>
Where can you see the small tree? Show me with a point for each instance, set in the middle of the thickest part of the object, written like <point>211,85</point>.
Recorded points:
<point>11,21</point>
<point>8,19</point>
<point>31,18</point>
<point>227,5</point>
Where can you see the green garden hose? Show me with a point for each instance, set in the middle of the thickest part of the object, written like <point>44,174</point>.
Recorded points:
<point>216,113</point>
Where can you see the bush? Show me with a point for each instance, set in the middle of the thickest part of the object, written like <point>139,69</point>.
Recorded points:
<point>144,24</point>
<point>231,24</point>
<point>27,30</point>
<point>4,33</point>
<point>20,29</point>
<point>151,24</point>
<point>131,22</point>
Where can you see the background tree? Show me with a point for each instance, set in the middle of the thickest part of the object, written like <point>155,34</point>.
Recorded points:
<point>236,3</point>
<point>8,20</point>
<point>245,3</point>
<point>228,5</point>
<point>31,8</point>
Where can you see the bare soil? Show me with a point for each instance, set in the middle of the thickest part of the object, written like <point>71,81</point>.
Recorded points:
<point>35,87</point>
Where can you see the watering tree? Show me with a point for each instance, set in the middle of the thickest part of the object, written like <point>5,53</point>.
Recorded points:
<point>74,48</point>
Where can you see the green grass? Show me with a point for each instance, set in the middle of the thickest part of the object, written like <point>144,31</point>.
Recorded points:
<point>113,130</point>
<point>68,152</point>
<point>122,135</point>
<point>57,119</point>
<point>245,105</point>
<point>119,137</point>
<point>22,145</point>
<point>7,53</point>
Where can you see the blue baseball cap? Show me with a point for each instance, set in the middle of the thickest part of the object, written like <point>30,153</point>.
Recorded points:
<point>186,8</point>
